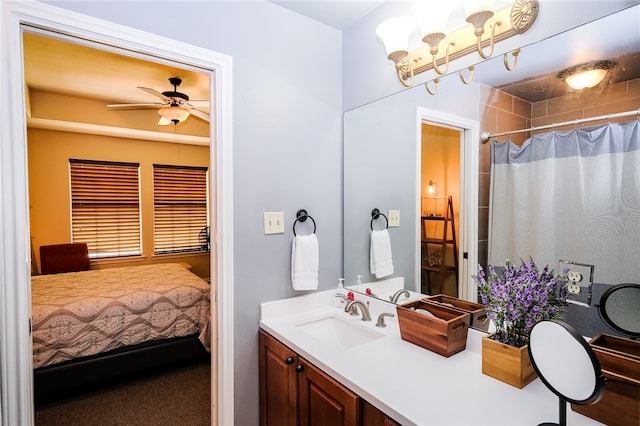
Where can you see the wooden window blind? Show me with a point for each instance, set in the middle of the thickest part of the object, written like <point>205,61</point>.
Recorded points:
<point>105,207</point>
<point>179,208</point>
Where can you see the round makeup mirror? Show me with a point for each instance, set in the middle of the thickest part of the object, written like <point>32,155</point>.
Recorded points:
<point>566,365</point>
<point>620,308</point>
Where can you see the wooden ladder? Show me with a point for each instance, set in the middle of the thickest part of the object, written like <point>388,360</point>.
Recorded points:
<point>434,248</point>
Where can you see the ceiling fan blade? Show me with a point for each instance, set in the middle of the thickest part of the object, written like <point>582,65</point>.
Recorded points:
<point>199,103</point>
<point>201,115</point>
<point>136,106</point>
<point>155,93</point>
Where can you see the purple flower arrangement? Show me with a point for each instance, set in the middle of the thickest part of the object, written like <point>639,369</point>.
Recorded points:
<point>520,297</point>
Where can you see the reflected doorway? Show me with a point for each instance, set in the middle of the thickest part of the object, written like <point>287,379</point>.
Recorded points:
<point>440,182</point>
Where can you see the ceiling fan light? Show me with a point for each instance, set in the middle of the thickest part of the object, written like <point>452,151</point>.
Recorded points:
<point>174,114</point>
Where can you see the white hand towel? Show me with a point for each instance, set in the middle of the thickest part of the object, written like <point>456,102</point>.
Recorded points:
<point>380,259</point>
<point>304,262</point>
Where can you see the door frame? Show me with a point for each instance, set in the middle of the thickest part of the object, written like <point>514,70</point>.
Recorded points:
<point>16,373</point>
<point>469,177</point>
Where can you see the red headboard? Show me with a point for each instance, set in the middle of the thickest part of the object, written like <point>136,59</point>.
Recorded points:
<point>64,258</point>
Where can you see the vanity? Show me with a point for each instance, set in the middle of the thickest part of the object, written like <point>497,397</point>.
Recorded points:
<point>318,362</point>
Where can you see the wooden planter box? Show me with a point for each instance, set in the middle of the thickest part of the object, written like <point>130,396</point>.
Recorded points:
<point>619,360</point>
<point>477,311</point>
<point>444,334</point>
<point>507,363</point>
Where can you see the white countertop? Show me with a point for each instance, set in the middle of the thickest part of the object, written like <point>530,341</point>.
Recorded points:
<point>410,384</point>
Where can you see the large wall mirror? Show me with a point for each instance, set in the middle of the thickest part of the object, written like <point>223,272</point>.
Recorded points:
<point>396,146</point>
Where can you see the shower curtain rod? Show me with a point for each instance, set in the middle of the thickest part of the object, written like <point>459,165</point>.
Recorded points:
<point>486,136</point>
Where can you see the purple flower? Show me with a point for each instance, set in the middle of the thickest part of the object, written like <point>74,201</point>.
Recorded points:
<point>521,297</point>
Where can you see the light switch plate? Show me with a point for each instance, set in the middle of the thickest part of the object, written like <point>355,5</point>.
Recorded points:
<point>273,223</point>
<point>580,283</point>
<point>394,218</point>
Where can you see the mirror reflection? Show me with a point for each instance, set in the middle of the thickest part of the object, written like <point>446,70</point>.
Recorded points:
<point>389,166</point>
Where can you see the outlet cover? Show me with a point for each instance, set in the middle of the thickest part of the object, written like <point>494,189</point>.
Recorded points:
<point>273,223</point>
<point>394,218</point>
<point>580,283</point>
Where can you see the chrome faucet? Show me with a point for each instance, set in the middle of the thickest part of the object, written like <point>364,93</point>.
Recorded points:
<point>397,294</point>
<point>380,322</point>
<point>351,309</point>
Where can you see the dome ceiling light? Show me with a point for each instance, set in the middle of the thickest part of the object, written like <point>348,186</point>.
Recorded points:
<point>586,75</point>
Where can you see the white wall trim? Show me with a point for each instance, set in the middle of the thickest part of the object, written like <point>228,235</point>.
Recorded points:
<point>16,386</point>
<point>469,169</point>
<point>116,132</point>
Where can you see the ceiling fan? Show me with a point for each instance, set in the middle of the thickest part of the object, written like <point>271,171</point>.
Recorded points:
<point>174,108</point>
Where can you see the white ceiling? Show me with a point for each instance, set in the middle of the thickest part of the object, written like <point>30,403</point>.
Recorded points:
<point>337,14</point>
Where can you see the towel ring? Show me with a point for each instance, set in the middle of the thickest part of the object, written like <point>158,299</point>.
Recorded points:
<point>302,216</point>
<point>375,214</point>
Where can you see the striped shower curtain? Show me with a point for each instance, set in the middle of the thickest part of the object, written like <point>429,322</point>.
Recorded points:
<point>571,195</point>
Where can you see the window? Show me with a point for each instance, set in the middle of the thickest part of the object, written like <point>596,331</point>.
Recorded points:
<point>105,207</point>
<point>179,208</point>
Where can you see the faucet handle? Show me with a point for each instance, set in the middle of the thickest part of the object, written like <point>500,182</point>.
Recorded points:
<point>380,322</point>
<point>350,307</point>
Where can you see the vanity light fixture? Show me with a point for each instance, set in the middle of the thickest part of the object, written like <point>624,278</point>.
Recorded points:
<point>432,17</point>
<point>478,13</point>
<point>173,114</point>
<point>395,33</point>
<point>586,75</point>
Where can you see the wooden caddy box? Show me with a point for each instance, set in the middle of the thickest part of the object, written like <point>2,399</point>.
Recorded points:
<point>619,360</point>
<point>444,334</point>
<point>477,311</point>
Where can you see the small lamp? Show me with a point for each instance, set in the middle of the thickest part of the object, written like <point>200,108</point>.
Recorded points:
<point>432,192</point>
<point>432,189</point>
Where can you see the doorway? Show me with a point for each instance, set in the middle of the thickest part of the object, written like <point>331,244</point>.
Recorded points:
<point>460,176</point>
<point>440,207</point>
<point>15,339</point>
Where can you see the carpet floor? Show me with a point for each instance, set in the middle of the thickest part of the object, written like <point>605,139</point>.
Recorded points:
<point>180,396</point>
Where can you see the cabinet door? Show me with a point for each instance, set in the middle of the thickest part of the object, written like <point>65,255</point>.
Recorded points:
<point>323,401</point>
<point>278,383</point>
<point>371,416</point>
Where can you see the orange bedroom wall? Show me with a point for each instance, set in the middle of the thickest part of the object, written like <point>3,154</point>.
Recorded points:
<point>49,193</point>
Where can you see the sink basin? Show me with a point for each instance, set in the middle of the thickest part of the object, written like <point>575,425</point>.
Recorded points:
<point>338,332</point>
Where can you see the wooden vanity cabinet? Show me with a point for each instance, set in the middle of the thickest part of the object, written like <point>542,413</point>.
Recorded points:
<point>371,416</point>
<point>323,401</point>
<point>295,392</point>
<point>278,383</point>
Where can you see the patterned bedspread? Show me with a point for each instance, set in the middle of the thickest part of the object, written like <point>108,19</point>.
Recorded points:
<point>78,314</point>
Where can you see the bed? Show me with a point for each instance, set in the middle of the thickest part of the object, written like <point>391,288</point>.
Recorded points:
<point>93,325</point>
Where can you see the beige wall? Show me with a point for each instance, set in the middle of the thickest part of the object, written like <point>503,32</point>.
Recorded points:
<point>49,197</point>
<point>501,112</point>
